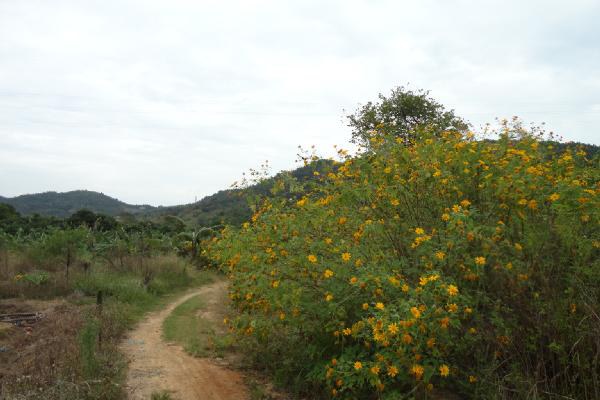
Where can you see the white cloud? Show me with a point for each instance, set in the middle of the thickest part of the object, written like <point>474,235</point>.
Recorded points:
<point>157,102</point>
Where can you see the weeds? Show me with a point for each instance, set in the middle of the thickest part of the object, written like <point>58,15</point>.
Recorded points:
<point>186,327</point>
<point>163,395</point>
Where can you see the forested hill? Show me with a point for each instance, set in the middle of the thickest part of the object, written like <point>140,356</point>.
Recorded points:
<point>224,207</point>
<point>64,204</point>
<point>231,206</point>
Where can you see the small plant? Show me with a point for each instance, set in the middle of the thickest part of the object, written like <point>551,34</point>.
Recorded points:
<point>35,277</point>
<point>87,347</point>
<point>162,395</point>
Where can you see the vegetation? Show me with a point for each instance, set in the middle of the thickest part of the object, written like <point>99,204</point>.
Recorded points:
<point>429,263</point>
<point>183,326</point>
<point>109,274</point>
<point>399,116</point>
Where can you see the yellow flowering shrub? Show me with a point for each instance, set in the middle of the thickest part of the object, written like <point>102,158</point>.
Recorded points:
<point>450,263</point>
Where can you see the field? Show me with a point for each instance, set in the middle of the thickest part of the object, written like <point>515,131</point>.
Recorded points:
<point>86,307</point>
<point>430,264</point>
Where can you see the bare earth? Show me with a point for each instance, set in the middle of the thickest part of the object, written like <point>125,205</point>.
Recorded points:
<point>157,366</point>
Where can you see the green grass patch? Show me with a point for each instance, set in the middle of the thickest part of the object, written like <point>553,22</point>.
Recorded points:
<point>163,395</point>
<point>186,327</point>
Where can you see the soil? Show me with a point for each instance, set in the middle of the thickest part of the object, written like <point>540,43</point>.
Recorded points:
<point>156,366</point>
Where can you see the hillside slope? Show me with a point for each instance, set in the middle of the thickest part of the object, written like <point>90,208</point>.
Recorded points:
<point>64,204</point>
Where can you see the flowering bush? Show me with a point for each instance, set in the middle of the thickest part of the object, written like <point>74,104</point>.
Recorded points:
<point>451,264</point>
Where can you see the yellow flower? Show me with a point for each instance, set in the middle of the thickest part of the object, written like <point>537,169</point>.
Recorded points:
<point>395,202</point>
<point>419,231</point>
<point>328,273</point>
<point>452,307</point>
<point>554,197</point>
<point>328,297</point>
<point>346,256</point>
<point>375,370</point>
<point>379,306</point>
<point>465,203</point>
<point>446,217</point>
<point>480,260</point>
<point>415,312</point>
<point>347,331</point>
<point>392,371</point>
<point>353,280</point>
<point>518,247</point>
<point>452,290</point>
<point>472,379</point>
<point>312,258</point>
<point>357,365</point>
<point>440,255</point>
<point>532,204</point>
<point>417,370</point>
<point>365,306</point>
<point>444,322</point>
<point>342,220</point>
<point>444,370</point>
<point>393,328</point>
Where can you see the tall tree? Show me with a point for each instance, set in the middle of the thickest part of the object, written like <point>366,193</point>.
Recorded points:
<point>400,114</point>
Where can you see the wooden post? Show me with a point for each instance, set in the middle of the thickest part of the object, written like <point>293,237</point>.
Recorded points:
<point>99,311</point>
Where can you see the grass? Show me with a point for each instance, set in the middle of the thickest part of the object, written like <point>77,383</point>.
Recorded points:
<point>257,389</point>
<point>194,333</point>
<point>163,395</point>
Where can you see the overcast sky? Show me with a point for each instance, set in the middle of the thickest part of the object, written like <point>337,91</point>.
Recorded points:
<point>158,102</point>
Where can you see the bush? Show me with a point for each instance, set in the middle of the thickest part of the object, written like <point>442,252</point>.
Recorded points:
<point>451,264</point>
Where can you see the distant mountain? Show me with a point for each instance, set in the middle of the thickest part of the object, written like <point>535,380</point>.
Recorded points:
<point>62,205</point>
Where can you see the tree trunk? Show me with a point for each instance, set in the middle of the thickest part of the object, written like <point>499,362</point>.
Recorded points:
<point>68,264</point>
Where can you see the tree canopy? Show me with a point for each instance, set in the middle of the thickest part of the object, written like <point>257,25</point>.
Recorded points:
<point>399,114</point>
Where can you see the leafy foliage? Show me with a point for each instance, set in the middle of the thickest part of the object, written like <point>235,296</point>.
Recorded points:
<point>470,266</point>
<point>400,114</point>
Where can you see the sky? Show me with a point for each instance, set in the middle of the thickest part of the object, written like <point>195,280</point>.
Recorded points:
<point>163,102</point>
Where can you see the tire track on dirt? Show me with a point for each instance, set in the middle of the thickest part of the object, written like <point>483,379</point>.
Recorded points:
<point>155,365</point>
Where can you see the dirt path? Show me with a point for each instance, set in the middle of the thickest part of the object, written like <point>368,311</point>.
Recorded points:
<point>157,366</point>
